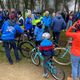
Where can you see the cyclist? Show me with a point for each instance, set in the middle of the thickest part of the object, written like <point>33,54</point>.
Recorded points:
<point>36,17</point>
<point>28,26</point>
<point>47,21</point>
<point>9,29</point>
<point>20,19</point>
<point>38,33</point>
<point>75,49</point>
<point>46,48</point>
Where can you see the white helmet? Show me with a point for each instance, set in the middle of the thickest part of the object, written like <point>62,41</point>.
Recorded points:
<point>46,35</point>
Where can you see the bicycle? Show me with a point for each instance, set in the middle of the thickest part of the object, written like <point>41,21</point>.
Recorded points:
<point>63,54</point>
<point>24,47</point>
<point>55,71</point>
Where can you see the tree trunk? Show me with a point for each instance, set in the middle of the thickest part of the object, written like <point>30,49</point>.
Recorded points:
<point>9,4</point>
<point>1,4</point>
<point>32,4</point>
<point>78,5</point>
<point>13,3</point>
<point>56,5</point>
<point>75,5</point>
<point>26,4</point>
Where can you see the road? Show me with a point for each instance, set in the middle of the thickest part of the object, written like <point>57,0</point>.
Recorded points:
<point>24,70</point>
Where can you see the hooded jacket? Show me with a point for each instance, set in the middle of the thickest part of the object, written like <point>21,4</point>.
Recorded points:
<point>46,47</point>
<point>75,48</point>
<point>58,24</point>
<point>46,21</point>
<point>28,23</point>
<point>38,33</point>
<point>9,30</point>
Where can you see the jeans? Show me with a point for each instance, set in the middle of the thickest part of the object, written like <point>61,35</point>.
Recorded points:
<point>7,45</point>
<point>75,60</point>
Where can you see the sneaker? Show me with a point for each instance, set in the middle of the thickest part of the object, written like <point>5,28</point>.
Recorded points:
<point>18,60</point>
<point>11,62</point>
<point>45,75</point>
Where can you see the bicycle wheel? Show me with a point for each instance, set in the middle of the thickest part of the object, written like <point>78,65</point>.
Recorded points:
<point>57,73</point>
<point>25,48</point>
<point>63,56</point>
<point>35,58</point>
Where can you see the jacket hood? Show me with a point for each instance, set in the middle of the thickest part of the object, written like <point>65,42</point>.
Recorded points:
<point>59,17</point>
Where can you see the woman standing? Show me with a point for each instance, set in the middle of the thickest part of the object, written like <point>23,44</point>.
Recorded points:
<point>75,49</point>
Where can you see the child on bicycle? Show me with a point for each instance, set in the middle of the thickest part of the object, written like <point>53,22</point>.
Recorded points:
<point>28,26</point>
<point>46,48</point>
<point>38,33</point>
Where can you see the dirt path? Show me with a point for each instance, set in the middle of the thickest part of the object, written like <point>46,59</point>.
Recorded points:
<point>24,70</point>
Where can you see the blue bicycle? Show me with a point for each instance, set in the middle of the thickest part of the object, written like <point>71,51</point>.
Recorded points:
<point>55,71</point>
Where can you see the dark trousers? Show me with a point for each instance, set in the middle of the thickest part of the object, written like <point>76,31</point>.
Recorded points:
<point>46,58</point>
<point>37,43</point>
<point>47,29</point>
<point>30,34</point>
<point>7,45</point>
<point>56,36</point>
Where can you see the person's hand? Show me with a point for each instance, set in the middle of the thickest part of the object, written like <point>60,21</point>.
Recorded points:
<point>18,22</point>
<point>27,30</point>
<point>74,25</point>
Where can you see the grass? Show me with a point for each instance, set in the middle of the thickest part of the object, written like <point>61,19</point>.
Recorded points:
<point>63,39</point>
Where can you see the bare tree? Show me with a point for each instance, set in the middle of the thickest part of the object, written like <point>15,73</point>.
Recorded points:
<point>1,4</point>
<point>78,5</point>
<point>9,4</point>
<point>26,4</point>
<point>75,5</point>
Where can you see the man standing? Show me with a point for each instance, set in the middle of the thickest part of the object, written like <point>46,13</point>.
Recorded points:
<point>58,24</point>
<point>9,29</point>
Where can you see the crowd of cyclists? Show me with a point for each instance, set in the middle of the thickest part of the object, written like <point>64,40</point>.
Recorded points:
<point>35,24</point>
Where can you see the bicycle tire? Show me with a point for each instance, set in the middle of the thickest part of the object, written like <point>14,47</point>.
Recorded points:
<point>59,59</point>
<point>57,73</point>
<point>25,48</point>
<point>35,61</point>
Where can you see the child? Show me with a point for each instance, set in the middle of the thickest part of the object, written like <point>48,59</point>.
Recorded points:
<point>46,48</point>
<point>38,33</point>
<point>29,26</point>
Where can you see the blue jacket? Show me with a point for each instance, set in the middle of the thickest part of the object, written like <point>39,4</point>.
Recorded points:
<point>1,18</point>
<point>8,32</point>
<point>28,23</point>
<point>69,24</point>
<point>46,42</point>
<point>46,47</point>
<point>38,33</point>
<point>47,21</point>
<point>58,24</point>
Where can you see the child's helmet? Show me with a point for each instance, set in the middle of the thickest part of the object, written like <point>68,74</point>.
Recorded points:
<point>46,35</point>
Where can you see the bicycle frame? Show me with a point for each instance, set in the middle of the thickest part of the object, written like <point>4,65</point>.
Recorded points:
<point>49,65</point>
<point>38,53</point>
<point>67,50</point>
